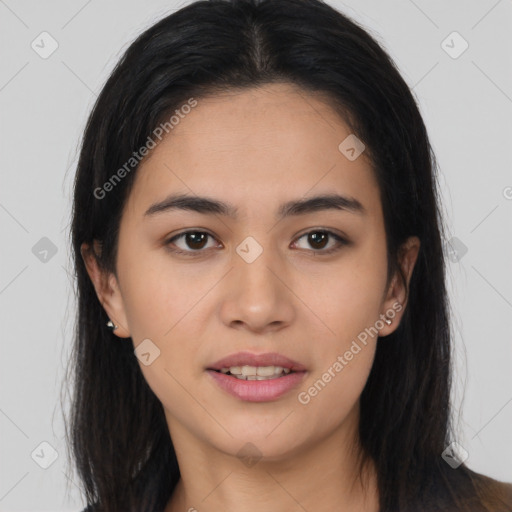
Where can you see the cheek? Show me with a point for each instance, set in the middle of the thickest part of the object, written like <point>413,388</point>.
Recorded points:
<point>145,305</point>
<point>155,294</point>
<point>159,307</point>
<point>343,361</point>
<point>163,304</point>
<point>350,306</point>
<point>332,396</point>
<point>352,302</point>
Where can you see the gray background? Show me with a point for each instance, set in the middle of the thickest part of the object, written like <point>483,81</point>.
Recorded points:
<point>466,103</point>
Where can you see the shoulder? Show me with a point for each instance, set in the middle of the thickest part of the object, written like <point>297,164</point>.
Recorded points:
<point>496,493</point>
<point>463,489</point>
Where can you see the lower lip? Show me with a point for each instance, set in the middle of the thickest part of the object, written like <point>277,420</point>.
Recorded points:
<point>257,390</point>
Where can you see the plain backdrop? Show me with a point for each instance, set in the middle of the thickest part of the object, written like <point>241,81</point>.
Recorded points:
<point>465,98</point>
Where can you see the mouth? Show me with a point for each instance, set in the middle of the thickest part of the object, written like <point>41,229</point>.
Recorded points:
<point>257,377</point>
<point>249,364</point>
<point>255,372</point>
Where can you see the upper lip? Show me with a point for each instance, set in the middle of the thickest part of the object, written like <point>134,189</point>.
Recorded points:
<point>250,359</point>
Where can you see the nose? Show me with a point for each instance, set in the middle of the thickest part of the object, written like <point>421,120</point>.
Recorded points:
<point>257,296</point>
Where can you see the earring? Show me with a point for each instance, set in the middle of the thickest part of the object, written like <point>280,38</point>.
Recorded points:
<point>388,321</point>
<point>111,325</point>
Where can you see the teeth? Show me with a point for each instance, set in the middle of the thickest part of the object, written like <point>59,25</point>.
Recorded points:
<point>256,372</point>
<point>266,371</point>
<point>249,371</point>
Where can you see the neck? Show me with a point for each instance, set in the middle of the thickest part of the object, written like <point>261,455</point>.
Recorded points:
<point>322,477</point>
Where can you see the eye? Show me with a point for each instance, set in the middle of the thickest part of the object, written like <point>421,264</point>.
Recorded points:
<point>194,240</point>
<point>318,240</point>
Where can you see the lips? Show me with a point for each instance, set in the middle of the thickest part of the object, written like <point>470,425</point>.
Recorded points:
<point>288,374</point>
<point>250,359</point>
<point>257,390</point>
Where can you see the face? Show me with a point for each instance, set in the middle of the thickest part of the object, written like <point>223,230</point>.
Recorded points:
<point>307,282</point>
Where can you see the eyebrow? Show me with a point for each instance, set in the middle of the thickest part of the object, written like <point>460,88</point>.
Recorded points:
<point>206,205</point>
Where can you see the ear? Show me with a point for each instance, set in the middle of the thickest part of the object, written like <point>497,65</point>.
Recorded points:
<point>107,288</point>
<point>396,295</point>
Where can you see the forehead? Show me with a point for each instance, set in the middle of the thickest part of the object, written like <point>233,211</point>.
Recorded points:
<point>253,145</point>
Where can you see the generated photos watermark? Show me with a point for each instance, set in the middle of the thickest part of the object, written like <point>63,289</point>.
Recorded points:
<point>137,156</point>
<point>304,397</point>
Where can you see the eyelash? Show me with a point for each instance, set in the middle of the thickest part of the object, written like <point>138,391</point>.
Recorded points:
<point>341,242</point>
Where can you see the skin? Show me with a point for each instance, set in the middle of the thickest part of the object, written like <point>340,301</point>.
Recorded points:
<point>243,148</point>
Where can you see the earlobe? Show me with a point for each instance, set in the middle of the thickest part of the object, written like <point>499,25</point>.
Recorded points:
<point>107,290</point>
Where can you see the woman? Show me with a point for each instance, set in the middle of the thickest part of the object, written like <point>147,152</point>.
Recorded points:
<point>262,312</point>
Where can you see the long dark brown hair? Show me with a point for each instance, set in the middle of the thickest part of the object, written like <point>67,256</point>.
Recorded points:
<point>117,431</point>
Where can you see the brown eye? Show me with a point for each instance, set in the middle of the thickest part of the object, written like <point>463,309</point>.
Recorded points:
<point>319,239</point>
<point>192,241</point>
<point>196,241</point>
